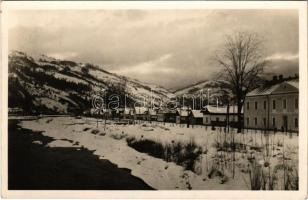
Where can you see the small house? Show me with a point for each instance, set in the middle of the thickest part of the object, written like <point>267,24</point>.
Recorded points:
<point>182,116</point>
<point>166,115</point>
<point>126,113</point>
<point>217,116</point>
<point>141,113</point>
<point>161,116</point>
<point>196,117</point>
<point>152,115</point>
<point>102,113</point>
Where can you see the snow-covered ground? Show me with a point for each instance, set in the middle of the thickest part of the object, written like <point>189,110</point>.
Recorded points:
<point>109,143</point>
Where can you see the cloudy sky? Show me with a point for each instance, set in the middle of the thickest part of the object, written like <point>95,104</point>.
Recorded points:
<point>171,48</point>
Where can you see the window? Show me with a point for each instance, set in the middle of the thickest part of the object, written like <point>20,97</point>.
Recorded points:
<point>274,104</point>
<point>256,105</point>
<point>206,120</point>
<point>296,123</point>
<point>256,121</point>
<point>217,119</point>
<point>264,105</point>
<point>284,104</point>
<point>264,122</point>
<point>296,103</point>
<point>247,105</point>
<point>274,122</point>
<point>247,120</point>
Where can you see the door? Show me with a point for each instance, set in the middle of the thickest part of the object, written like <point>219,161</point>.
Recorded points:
<point>285,123</point>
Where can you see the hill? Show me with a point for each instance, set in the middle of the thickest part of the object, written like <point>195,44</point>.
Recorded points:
<point>52,86</point>
<point>217,89</point>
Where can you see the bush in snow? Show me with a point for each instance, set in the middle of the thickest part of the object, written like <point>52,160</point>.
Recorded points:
<point>95,131</point>
<point>184,154</point>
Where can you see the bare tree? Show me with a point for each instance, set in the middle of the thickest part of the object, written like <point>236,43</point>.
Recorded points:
<point>242,60</point>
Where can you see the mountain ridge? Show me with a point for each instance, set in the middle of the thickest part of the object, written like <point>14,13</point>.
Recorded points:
<point>49,85</point>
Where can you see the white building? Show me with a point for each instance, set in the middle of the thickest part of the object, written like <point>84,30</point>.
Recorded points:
<point>217,116</point>
<point>273,107</point>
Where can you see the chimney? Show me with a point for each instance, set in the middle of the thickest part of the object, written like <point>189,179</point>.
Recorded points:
<point>280,77</point>
<point>275,78</point>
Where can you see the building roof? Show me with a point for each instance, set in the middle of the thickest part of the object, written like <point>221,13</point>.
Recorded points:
<point>182,113</point>
<point>197,113</point>
<point>220,110</point>
<point>294,83</point>
<point>263,91</point>
<point>166,111</point>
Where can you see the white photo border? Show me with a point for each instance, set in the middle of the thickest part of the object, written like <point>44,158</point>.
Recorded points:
<point>301,6</point>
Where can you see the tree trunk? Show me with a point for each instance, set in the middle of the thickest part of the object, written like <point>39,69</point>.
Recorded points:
<point>239,116</point>
<point>228,116</point>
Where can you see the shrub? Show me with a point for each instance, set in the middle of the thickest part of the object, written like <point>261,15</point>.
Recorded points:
<point>95,131</point>
<point>255,176</point>
<point>214,172</point>
<point>49,120</point>
<point>184,154</point>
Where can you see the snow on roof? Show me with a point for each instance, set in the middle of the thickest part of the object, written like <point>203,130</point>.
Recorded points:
<point>294,83</point>
<point>197,113</point>
<point>215,109</point>
<point>165,111</point>
<point>269,90</point>
<point>263,91</point>
<point>182,113</point>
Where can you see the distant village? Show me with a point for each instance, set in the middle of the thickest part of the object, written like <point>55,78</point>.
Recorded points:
<point>272,106</point>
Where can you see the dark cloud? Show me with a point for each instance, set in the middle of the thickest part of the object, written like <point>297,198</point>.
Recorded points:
<point>176,46</point>
<point>284,66</point>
